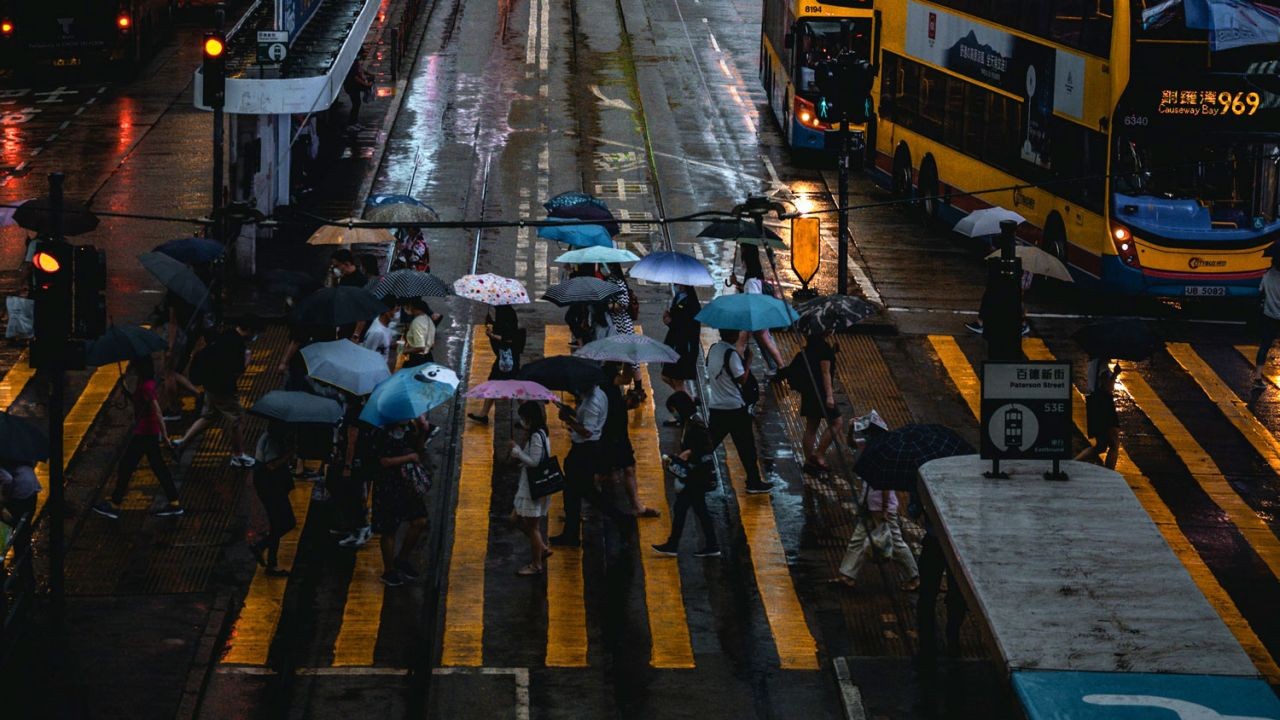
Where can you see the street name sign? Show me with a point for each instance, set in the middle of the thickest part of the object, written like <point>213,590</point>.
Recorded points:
<point>273,46</point>
<point>1026,410</point>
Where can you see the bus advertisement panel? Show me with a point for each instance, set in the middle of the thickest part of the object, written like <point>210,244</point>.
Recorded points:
<point>1070,114</point>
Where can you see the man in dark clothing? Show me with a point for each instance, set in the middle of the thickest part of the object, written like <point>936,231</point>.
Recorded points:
<point>217,367</point>
<point>356,85</point>
<point>342,264</point>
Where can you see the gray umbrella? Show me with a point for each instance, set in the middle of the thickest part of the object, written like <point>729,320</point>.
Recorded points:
<point>177,277</point>
<point>297,407</point>
<point>122,343</point>
<point>401,213</point>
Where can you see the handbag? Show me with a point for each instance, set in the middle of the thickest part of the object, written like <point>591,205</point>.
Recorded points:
<point>22,313</point>
<point>546,478</point>
<point>881,537</point>
<point>416,477</point>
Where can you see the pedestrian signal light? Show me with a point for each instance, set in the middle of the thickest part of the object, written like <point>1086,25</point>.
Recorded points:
<point>214,70</point>
<point>805,247</point>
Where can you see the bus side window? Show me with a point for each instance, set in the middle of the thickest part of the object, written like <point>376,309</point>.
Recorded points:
<point>954,119</point>
<point>889,86</point>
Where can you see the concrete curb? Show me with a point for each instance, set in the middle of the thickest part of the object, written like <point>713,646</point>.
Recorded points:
<point>850,696</point>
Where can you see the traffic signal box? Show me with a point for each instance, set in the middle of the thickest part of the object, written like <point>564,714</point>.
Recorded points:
<point>214,69</point>
<point>69,286</point>
<point>845,83</point>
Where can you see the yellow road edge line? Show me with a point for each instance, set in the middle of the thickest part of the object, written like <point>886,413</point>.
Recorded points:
<point>797,650</point>
<point>15,381</point>
<point>1167,524</point>
<point>1235,409</point>
<point>77,422</point>
<point>464,603</point>
<point>960,370</point>
<point>255,628</point>
<point>664,598</point>
<point>566,604</point>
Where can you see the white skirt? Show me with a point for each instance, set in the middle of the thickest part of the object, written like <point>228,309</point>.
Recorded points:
<point>525,505</point>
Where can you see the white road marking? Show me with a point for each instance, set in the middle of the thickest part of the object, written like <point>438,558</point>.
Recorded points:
<point>531,41</point>
<point>714,44</point>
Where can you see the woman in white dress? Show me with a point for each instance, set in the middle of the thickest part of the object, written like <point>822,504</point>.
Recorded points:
<point>529,511</point>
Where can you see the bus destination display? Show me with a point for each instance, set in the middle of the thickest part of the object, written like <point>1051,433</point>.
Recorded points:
<point>1208,103</point>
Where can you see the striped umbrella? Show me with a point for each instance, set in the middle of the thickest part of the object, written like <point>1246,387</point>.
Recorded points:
<point>406,284</point>
<point>581,290</point>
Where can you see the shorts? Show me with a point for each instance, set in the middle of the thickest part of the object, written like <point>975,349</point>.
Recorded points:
<point>227,406</point>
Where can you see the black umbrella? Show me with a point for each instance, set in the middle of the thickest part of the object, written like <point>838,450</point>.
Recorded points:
<point>892,460</point>
<point>22,441</point>
<point>193,249</point>
<point>581,290</point>
<point>330,307</point>
<point>1118,340</point>
<point>563,372</point>
<point>292,406</point>
<point>834,312</point>
<point>37,216</point>
<point>587,211</point>
<point>744,232</point>
<point>177,277</point>
<point>407,284</point>
<point>122,343</point>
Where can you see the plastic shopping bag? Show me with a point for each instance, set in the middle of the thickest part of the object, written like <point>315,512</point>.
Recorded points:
<point>22,314</point>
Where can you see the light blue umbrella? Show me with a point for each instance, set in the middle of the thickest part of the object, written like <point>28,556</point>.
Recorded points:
<point>577,235</point>
<point>406,395</point>
<point>672,267</point>
<point>345,365</point>
<point>747,312</point>
<point>597,254</point>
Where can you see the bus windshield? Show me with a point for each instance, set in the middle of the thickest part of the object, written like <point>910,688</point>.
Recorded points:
<point>819,40</point>
<point>1238,180</point>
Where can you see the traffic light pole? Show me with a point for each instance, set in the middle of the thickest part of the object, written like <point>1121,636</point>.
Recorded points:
<point>842,201</point>
<point>217,153</point>
<point>57,392</point>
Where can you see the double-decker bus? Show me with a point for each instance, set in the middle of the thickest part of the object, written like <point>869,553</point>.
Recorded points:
<point>797,36</point>
<point>89,34</point>
<point>1144,160</point>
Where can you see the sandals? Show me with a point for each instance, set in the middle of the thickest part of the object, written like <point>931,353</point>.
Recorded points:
<point>529,571</point>
<point>815,468</point>
<point>910,584</point>
<point>649,513</point>
<point>842,581</point>
<point>482,419</point>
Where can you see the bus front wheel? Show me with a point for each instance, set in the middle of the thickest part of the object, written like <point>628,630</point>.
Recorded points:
<point>901,186</point>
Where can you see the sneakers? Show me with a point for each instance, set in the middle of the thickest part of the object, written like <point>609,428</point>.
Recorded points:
<point>318,492</point>
<point>107,509</point>
<point>392,578</point>
<point>973,327</point>
<point>357,538</point>
<point>759,488</point>
<point>242,461</point>
<point>1026,329</point>
<point>708,552</point>
<point>431,434</point>
<point>173,417</point>
<point>666,548</point>
<point>407,570</point>
<point>173,509</point>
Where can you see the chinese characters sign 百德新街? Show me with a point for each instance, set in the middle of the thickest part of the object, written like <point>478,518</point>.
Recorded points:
<point>1026,410</point>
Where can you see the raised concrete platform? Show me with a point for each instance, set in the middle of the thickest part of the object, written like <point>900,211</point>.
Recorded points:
<point>1072,575</point>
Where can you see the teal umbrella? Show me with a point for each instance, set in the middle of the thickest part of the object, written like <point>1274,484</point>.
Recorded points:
<point>408,394</point>
<point>576,234</point>
<point>747,312</point>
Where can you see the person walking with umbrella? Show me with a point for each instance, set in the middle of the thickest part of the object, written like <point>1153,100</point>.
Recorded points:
<point>421,335</point>
<point>729,415</point>
<point>400,497</point>
<point>691,471</point>
<point>144,439</point>
<point>877,523</point>
<point>345,271</point>
<point>753,284</point>
<point>1270,330</point>
<point>380,338</point>
<point>818,399</point>
<point>1100,412</point>
<point>508,339</point>
<point>272,482</point>
<point>624,310</point>
<point>218,367</point>
<point>683,331</point>
<point>616,438</point>
<point>528,510</point>
<point>586,464</point>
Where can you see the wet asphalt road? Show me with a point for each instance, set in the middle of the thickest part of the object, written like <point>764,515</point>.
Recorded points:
<point>655,106</point>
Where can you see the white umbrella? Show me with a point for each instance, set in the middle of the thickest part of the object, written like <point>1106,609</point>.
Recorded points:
<point>981,223</point>
<point>1039,262</point>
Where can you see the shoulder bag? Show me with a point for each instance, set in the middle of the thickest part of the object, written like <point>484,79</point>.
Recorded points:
<point>547,477</point>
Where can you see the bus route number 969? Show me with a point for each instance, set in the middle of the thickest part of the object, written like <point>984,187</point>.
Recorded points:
<point>1239,103</point>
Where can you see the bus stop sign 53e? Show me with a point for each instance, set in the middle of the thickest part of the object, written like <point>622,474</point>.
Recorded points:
<point>1026,410</point>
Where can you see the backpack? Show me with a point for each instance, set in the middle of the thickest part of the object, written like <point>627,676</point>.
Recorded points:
<point>750,387</point>
<point>796,374</point>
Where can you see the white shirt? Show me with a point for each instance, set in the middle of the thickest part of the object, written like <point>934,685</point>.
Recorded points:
<point>380,339</point>
<point>723,392</point>
<point>591,414</point>
<point>753,286</point>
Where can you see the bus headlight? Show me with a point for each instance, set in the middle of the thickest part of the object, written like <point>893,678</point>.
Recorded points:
<point>1126,248</point>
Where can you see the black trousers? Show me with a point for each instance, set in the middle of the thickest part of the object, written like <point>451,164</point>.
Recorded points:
<point>697,502</point>
<point>580,470</point>
<point>737,423</point>
<point>272,488</point>
<point>933,565</point>
<point>140,445</point>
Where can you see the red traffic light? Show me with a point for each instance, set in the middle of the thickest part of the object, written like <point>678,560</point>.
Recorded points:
<point>213,46</point>
<point>46,262</point>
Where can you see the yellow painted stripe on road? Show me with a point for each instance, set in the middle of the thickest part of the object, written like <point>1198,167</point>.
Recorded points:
<point>959,370</point>
<point>362,610</point>
<point>255,628</point>
<point>1205,471</point>
<point>464,604</point>
<point>78,421</point>
<point>1035,349</point>
<point>1250,353</point>
<point>13,382</point>
<point>797,650</point>
<point>668,626</point>
<point>566,604</point>
<point>1235,409</point>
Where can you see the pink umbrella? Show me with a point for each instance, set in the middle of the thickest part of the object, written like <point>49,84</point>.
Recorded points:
<point>511,390</point>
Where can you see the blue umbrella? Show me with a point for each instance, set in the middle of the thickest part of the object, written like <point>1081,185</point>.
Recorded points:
<point>596,255</point>
<point>193,249</point>
<point>405,396</point>
<point>747,312</point>
<point>672,267</point>
<point>576,235</point>
<point>569,199</point>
